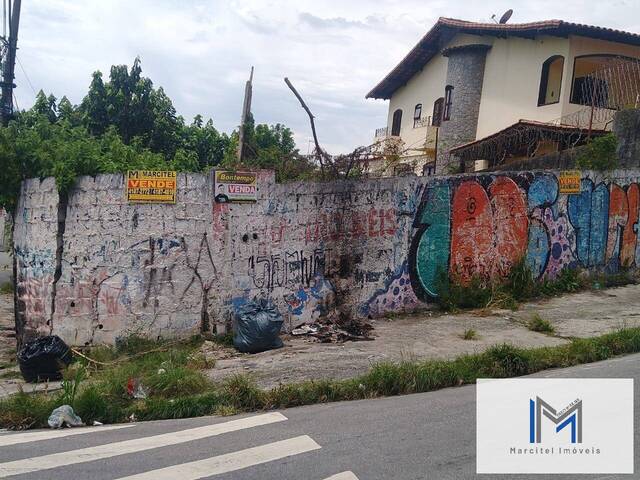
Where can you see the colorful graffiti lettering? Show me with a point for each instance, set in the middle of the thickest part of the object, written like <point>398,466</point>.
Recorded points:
<point>483,225</point>
<point>311,302</point>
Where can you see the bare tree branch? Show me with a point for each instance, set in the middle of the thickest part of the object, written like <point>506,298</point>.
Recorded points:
<point>319,150</point>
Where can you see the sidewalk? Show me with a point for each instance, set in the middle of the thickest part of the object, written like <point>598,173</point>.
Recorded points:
<point>427,335</point>
<point>432,335</point>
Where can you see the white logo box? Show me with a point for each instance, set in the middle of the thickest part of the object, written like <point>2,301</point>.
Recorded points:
<point>512,414</point>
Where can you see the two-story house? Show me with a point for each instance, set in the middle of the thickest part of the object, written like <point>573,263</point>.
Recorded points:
<point>464,82</point>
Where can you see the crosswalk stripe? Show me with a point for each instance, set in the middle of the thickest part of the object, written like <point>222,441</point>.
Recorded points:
<point>16,438</point>
<point>231,462</point>
<point>343,476</point>
<point>90,454</point>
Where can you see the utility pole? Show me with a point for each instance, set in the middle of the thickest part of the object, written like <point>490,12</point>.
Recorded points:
<point>9,62</point>
<point>246,111</point>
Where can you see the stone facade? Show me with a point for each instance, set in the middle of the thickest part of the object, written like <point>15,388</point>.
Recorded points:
<point>465,73</point>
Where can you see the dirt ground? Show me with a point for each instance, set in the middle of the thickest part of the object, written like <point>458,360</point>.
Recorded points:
<point>419,336</point>
<point>431,335</point>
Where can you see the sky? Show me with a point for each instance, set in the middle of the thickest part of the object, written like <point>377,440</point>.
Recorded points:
<point>201,51</point>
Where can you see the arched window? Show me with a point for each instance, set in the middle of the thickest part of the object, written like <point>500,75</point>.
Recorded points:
<point>396,123</point>
<point>438,105</point>
<point>448,102</point>
<point>417,113</point>
<point>551,80</point>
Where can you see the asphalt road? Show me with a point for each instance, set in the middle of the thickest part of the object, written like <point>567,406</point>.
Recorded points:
<point>424,436</point>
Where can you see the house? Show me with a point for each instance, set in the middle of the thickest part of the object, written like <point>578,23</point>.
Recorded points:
<point>474,90</point>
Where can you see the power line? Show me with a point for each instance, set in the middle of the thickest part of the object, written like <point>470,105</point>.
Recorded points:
<point>26,76</point>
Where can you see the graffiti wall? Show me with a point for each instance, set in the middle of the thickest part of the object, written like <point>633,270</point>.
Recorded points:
<point>36,226</point>
<point>482,225</point>
<point>109,269</point>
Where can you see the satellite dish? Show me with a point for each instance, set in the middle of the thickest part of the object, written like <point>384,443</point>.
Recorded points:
<point>507,15</point>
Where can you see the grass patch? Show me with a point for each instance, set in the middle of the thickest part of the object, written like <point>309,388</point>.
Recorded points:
<point>519,286</point>
<point>538,324</point>
<point>469,334</point>
<point>180,392</point>
<point>6,287</point>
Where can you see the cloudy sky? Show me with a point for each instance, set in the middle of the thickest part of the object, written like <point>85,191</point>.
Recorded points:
<point>201,51</point>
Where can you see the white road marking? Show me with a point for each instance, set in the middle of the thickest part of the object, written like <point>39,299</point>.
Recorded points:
<point>16,438</point>
<point>231,462</point>
<point>342,476</point>
<point>90,454</point>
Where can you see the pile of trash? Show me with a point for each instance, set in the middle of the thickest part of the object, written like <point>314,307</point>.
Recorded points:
<point>44,359</point>
<point>257,327</point>
<point>329,330</point>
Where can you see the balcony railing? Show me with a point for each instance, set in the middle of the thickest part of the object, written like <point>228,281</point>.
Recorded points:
<point>381,133</point>
<point>422,122</point>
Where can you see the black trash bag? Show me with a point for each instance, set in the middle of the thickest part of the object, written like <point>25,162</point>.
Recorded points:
<point>257,326</point>
<point>44,359</point>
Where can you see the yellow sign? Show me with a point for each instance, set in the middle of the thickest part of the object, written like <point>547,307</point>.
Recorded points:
<point>151,186</point>
<point>570,181</point>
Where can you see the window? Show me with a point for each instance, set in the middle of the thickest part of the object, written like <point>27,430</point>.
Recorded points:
<point>396,123</point>
<point>417,113</point>
<point>587,90</point>
<point>438,105</point>
<point>551,80</point>
<point>448,100</point>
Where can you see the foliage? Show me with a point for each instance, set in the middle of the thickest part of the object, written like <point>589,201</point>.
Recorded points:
<point>71,385</point>
<point>6,288</point>
<point>270,147</point>
<point>453,294</point>
<point>599,154</point>
<point>127,123</point>
<point>469,334</point>
<point>519,286</point>
<point>539,324</point>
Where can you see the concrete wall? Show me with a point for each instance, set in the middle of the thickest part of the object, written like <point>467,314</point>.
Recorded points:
<point>343,248</point>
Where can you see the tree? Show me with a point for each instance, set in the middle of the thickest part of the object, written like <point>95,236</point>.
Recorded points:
<point>126,124</point>
<point>94,106</point>
<point>46,106</point>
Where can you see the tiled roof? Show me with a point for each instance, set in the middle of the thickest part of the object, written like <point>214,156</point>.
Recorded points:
<point>551,127</point>
<point>446,28</point>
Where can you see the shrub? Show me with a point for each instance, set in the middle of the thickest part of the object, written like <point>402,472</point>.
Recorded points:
<point>599,154</point>
<point>469,334</point>
<point>539,324</point>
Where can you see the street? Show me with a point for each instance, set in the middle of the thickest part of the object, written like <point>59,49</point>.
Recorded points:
<point>422,436</point>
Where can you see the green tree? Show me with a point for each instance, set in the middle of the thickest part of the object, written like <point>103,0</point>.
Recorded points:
<point>125,124</point>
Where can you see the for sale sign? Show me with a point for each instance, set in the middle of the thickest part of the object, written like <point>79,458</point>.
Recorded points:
<point>151,186</point>
<point>235,186</point>
<point>570,181</point>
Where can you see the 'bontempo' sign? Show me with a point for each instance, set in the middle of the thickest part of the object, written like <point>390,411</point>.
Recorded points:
<point>544,425</point>
<point>151,186</point>
<point>235,186</point>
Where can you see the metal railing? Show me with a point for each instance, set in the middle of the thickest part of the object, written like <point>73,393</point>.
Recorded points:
<point>381,132</point>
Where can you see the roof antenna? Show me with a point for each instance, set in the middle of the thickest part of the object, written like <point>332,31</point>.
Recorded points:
<point>505,17</point>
